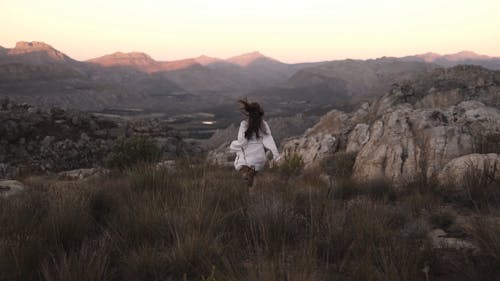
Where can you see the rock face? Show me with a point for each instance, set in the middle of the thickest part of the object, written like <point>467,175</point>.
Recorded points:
<point>312,149</point>
<point>57,140</point>
<point>416,128</point>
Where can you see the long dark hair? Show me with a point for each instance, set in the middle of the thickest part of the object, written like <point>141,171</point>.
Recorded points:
<point>254,112</point>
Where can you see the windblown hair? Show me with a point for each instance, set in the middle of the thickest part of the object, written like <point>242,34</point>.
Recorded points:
<point>254,113</point>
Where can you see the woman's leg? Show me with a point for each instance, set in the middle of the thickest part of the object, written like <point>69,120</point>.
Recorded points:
<point>248,174</point>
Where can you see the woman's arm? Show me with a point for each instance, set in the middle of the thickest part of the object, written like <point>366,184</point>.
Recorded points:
<point>241,132</point>
<point>238,144</point>
<point>269,143</point>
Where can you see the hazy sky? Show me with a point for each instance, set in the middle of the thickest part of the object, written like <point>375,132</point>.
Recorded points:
<point>287,30</point>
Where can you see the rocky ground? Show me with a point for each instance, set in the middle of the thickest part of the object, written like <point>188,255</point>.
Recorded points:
<point>36,140</point>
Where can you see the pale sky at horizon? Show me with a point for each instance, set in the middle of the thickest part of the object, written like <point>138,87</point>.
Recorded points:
<point>290,31</point>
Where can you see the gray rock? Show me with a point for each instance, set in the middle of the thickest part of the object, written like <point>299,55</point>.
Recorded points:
<point>79,174</point>
<point>440,240</point>
<point>358,137</point>
<point>453,173</point>
<point>10,187</point>
<point>312,149</point>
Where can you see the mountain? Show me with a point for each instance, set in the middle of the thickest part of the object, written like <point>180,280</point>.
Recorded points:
<point>206,74</point>
<point>205,60</point>
<point>463,57</point>
<point>132,59</point>
<point>36,73</point>
<point>341,82</point>
<point>250,58</point>
<point>33,53</point>
<point>141,61</point>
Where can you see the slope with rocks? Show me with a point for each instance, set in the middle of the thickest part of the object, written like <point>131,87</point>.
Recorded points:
<point>34,140</point>
<point>415,129</point>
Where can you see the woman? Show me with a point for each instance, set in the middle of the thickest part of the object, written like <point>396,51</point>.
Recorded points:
<point>254,136</point>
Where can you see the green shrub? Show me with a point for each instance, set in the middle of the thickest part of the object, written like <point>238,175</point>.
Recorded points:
<point>130,151</point>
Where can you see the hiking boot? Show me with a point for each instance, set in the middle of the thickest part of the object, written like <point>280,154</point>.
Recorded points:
<point>248,174</point>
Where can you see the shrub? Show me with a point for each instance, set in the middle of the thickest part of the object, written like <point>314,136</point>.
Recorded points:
<point>481,187</point>
<point>340,164</point>
<point>442,219</point>
<point>90,262</point>
<point>127,152</point>
<point>292,165</point>
<point>484,144</point>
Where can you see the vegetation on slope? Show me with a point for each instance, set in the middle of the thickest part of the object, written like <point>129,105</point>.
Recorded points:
<point>199,222</point>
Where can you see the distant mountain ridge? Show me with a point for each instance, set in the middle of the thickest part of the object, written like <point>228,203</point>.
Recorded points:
<point>38,73</point>
<point>33,53</point>
<point>463,57</point>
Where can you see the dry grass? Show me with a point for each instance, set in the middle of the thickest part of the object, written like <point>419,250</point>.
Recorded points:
<point>199,222</point>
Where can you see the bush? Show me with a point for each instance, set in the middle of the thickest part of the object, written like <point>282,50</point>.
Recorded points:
<point>128,152</point>
<point>480,185</point>
<point>442,219</point>
<point>487,144</point>
<point>340,164</point>
<point>292,165</point>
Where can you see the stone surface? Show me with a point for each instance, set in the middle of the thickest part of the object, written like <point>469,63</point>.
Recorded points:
<point>358,137</point>
<point>79,174</point>
<point>312,149</point>
<point>452,175</point>
<point>440,240</point>
<point>10,187</point>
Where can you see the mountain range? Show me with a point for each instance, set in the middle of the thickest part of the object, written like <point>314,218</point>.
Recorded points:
<point>39,74</point>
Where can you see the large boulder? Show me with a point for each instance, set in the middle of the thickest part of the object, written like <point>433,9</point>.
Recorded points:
<point>453,173</point>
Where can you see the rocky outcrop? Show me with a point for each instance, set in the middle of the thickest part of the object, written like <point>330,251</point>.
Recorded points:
<point>33,140</point>
<point>358,137</point>
<point>312,149</point>
<point>328,136</point>
<point>416,128</point>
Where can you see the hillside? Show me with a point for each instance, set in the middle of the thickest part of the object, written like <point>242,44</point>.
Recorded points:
<point>340,82</point>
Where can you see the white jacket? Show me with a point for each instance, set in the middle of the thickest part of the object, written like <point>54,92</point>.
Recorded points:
<point>251,152</point>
